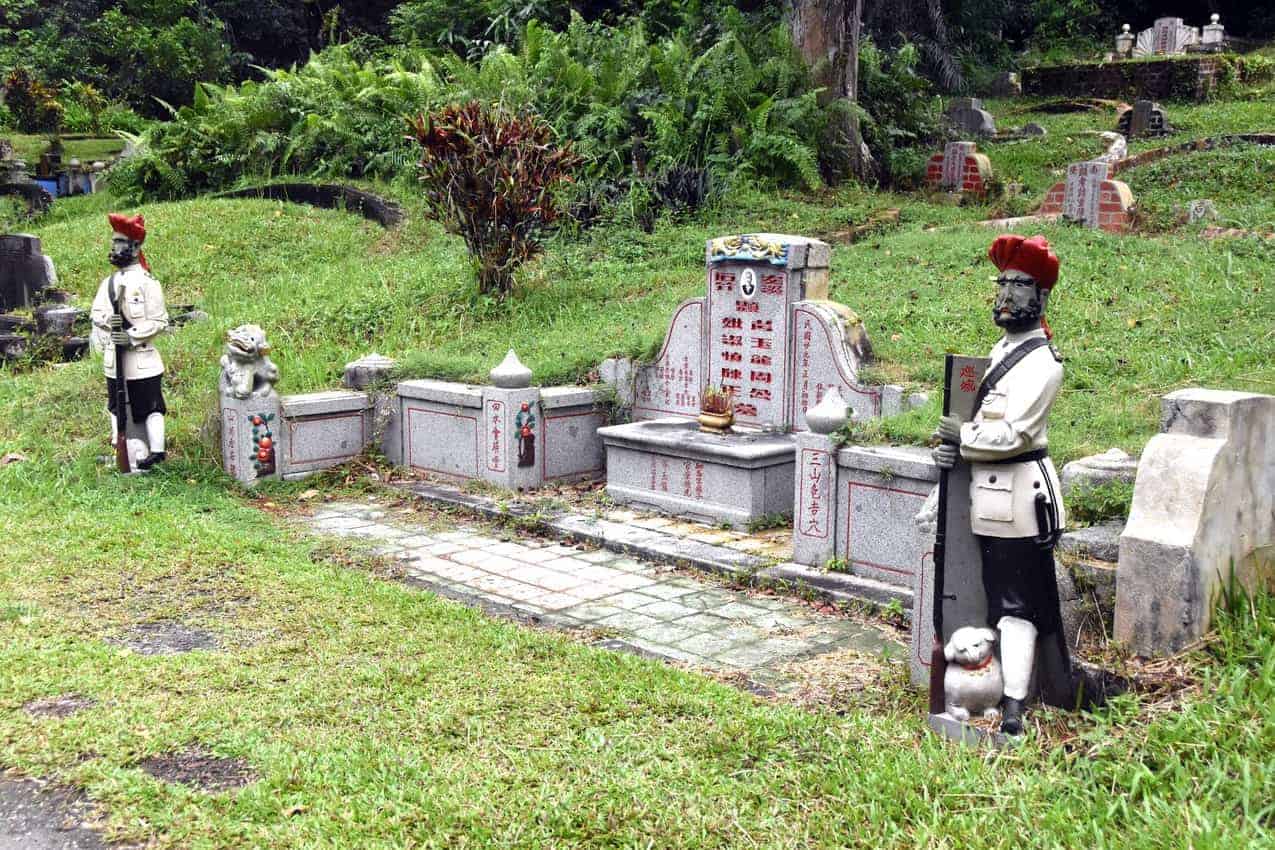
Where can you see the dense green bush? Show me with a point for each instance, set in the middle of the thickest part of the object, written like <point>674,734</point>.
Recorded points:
<point>335,116</point>
<point>901,112</point>
<point>656,113</point>
<point>137,52</point>
<point>739,109</point>
<point>32,103</point>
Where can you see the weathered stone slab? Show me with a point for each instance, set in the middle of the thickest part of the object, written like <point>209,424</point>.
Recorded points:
<point>323,403</point>
<point>441,438</point>
<point>572,447</point>
<point>367,371</point>
<point>24,271</point>
<point>968,118</point>
<point>442,392</point>
<point>1203,507</point>
<point>671,385</point>
<point>670,466</point>
<point>1144,118</point>
<point>830,345</point>
<point>321,430</point>
<point>1096,542</point>
<point>880,490</point>
<point>1096,470</point>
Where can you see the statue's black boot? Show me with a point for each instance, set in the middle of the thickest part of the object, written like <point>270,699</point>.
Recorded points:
<point>1012,716</point>
<point>151,460</point>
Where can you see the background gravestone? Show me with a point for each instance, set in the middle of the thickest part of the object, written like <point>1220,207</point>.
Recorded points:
<point>1090,197</point>
<point>1167,37</point>
<point>960,168</point>
<point>966,116</point>
<point>1124,43</point>
<point>1144,118</point>
<point>1213,36</point>
<point>25,271</point>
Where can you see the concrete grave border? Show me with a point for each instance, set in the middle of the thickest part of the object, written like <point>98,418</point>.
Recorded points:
<point>328,196</point>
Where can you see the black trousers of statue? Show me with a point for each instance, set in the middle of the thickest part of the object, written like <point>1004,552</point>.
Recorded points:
<point>1019,580</point>
<point>145,396</point>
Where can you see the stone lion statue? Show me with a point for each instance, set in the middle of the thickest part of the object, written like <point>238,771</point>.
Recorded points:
<point>246,371</point>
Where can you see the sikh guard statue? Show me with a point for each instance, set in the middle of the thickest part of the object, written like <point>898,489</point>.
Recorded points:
<point>127,314</point>
<point>1016,511</point>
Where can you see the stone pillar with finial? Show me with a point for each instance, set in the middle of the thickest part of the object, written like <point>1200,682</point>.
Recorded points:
<point>1124,43</point>
<point>1213,34</point>
<point>511,431</point>
<point>814,535</point>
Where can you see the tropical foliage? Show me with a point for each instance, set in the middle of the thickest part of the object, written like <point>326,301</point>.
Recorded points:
<point>335,116</point>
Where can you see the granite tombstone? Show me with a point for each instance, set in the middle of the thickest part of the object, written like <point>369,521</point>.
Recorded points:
<point>25,272</point>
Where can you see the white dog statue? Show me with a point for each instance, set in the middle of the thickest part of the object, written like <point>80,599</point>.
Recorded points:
<point>972,684</point>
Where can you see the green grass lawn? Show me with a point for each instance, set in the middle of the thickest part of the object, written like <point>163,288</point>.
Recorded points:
<point>30,147</point>
<point>377,716</point>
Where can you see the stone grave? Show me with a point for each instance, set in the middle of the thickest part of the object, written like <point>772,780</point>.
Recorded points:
<point>765,332</point>
<point>1144,118</point>
<point>960,168</point>
<point>1090,197</point>
<point>1203,506</point>
<point>25,272</point>
<point>966,116</point>
<point>1167,37</point>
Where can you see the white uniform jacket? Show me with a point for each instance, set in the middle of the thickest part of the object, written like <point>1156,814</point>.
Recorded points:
<point>145,316</point>
<point>1013,419</point>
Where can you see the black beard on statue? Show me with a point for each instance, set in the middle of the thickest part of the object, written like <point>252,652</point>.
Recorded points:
<point>1020,319</point>
<point>124,257</point>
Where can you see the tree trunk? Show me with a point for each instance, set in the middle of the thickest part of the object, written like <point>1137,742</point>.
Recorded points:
<point>826,34</point>
<point>819,34</point>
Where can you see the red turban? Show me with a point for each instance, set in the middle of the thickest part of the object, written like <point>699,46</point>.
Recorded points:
<point>132,226</point>
<point>1032,257</point>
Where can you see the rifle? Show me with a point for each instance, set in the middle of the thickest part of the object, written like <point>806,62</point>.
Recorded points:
<point>938,661</point>
<point>121,390</point>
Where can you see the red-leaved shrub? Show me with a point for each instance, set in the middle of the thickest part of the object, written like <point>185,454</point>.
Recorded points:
<point>490,176</point>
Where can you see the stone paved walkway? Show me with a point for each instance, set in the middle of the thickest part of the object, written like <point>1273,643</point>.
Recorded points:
<point>650,608</point>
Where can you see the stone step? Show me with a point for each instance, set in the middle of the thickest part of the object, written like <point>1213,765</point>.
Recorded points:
<point>843,587</point>
<point>1095,543</point>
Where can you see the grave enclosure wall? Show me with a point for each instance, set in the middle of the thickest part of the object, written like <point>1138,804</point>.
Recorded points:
<point>471,432</point>
<point>1184,77</point>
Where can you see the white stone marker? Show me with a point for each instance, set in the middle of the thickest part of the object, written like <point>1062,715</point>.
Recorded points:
<point>1203,504</point>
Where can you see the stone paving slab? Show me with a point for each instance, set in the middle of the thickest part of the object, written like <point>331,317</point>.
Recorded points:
<point>643,606</point>
<point>749,558</point>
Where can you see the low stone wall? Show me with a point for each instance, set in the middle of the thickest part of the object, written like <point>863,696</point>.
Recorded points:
<point>327,196</point>
<point>1180,78</point>
<point>467,432</point>
<point>291,437</point>
<point>1206,144</point>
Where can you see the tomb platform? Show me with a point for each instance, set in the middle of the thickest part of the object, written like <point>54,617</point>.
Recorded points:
<point>669,465</point>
